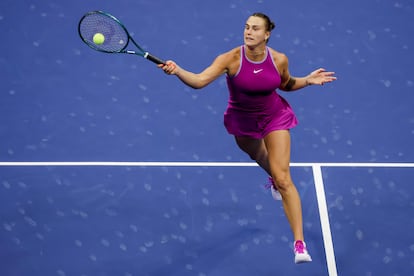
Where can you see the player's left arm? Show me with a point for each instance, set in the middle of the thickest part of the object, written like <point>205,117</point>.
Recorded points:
<point>290,83</point>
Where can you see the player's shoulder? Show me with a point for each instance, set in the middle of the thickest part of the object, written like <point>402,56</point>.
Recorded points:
<point>280,58</point>
<point>228,58</point>
<point>278,55</point>
<point>231,54</point>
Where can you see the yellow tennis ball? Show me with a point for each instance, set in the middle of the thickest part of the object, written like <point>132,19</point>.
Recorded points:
<point>98,38</point>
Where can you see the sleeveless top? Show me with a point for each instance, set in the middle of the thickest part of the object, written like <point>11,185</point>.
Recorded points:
<point>254,107</point>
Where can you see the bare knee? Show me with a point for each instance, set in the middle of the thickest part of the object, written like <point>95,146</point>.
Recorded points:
<point>282,181</point>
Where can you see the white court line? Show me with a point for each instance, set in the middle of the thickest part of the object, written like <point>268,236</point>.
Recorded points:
<point>199,164</point>
<point>325,224</point>
<point>133,164</point>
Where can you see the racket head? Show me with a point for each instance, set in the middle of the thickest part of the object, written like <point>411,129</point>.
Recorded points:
<point>116,35</point>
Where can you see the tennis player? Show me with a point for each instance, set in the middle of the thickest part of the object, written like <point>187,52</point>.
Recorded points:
<point>257,116</point>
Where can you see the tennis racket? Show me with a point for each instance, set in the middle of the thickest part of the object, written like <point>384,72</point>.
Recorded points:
<point>114,37</point>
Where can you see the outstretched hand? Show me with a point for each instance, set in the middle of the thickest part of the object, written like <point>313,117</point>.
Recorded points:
<point>320,76</point>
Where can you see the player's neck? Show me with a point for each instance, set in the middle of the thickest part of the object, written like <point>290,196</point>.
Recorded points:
<point>256,53</point>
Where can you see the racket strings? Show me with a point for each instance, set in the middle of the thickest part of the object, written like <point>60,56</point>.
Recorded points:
<point>116,37</point>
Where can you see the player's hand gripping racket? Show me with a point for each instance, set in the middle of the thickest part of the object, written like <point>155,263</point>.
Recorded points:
<point>103,32</point>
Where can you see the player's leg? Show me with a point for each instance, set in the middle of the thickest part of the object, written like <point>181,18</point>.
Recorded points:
<point>278,148</point>
<point>257,151</point>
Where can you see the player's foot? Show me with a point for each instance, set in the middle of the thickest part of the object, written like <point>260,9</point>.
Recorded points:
<point>275,193</point>
<point>301,253</point>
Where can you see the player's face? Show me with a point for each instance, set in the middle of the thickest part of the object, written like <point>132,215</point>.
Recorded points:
<point>255,32</point>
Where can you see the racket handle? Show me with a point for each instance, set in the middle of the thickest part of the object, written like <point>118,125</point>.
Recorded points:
<point>153,58</point>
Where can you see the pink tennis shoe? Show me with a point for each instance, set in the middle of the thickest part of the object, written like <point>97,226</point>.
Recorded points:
<point>275,193</point>
<point>301,253</point>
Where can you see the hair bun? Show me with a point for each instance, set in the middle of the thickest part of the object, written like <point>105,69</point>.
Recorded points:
<point>270,25</point>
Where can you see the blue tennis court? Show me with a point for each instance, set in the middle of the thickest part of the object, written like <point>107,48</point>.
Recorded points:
<point>110,167</point>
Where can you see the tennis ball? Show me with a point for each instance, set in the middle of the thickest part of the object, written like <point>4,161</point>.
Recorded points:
<point>98,38</point>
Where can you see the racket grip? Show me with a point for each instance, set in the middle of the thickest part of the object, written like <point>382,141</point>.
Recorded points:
<point>153,58</point>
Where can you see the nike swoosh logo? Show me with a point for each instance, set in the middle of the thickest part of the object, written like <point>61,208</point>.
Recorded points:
<point>257,71</point>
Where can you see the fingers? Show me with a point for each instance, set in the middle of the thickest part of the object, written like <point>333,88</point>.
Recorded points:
<point>326,76</point>
<point>169,67</point>
<point>322,71</point>
<point>320,77</point>
<point>327,79</point>
<point>318,71</point>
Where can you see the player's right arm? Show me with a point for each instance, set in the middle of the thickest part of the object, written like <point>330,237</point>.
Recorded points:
<point>199,80</point>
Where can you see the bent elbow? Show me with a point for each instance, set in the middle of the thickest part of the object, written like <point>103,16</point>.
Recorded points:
<point>199,85</point>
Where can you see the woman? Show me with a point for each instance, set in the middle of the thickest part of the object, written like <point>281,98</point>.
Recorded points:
<point>256,115</point>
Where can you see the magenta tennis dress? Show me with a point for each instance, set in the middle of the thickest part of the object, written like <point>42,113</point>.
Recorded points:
<point>255,108</point>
